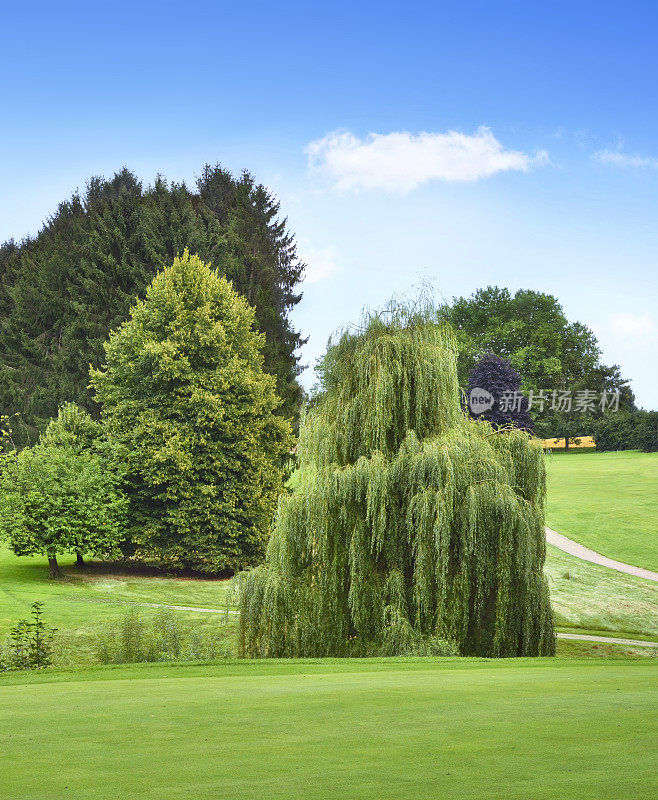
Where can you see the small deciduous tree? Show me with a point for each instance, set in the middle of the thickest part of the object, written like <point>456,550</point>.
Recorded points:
<point>184,391</point>
<point>55,500</point>
<point>74,428</point>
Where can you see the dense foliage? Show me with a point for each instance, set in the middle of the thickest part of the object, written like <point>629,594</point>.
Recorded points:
<point>183,391</point>
<point>531,331</point>
<point>62,292</point>
<point>74,427</point>
<point>409,523</point>
<point>627,431</point>
<point>503,382</point>
<point>55,499</point>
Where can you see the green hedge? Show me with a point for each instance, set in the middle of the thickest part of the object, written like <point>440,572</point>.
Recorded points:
<point>637,430</point>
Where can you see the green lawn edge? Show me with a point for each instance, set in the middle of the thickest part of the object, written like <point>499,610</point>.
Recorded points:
<point>236,668</point>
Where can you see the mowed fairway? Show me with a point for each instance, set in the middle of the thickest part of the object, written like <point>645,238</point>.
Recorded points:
<point>328,729</point>
<point>608,502</point>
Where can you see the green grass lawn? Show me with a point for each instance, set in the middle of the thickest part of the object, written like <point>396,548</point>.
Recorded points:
<point>87,599</point>
<point>608,502</point>
<point>585,597</point>
<point>588,598</point>
<point>333,729</point>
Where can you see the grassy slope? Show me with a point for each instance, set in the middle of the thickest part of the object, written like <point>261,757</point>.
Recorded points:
<point>591,599</point>
<point>459,729</point>
<point>86,598</point>
<point>608,502</point>
<point>599,600</point>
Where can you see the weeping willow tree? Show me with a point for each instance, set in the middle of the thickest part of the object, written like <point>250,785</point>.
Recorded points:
<point>407,522</point>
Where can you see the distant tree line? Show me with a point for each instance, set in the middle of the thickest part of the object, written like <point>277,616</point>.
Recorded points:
<point>531,333</point>
<point>627,431</point>
<point>64,290</point>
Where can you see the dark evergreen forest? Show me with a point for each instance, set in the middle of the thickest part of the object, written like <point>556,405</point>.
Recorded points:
<point>63,290</point>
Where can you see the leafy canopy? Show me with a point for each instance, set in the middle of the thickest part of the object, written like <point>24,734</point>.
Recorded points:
<point>183,391</point>
<point>499,378</point>
<point>408,524</point>
<point>531,331</point>
<point>55,499</point>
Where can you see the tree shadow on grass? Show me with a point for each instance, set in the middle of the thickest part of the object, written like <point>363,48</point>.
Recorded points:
<point>134,569</point>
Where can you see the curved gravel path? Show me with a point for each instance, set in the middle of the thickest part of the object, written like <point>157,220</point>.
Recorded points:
<point>584,553</point>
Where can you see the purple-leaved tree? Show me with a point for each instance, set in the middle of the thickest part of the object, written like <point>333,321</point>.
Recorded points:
<point>507,405</point>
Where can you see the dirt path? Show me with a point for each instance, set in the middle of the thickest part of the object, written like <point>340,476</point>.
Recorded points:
<point>584,553</point>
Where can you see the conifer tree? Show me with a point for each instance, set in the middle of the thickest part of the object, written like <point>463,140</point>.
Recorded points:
<point>62,292</point>
<point>408,521</point>
<point>183,391</point>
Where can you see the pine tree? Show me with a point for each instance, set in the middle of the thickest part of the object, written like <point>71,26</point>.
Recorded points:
<point>408,521</point>
<point>62,292</point>
<point>183,391</point>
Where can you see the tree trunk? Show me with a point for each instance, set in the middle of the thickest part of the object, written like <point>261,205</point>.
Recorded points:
<point>79,560</point>
<point>55,571</point>
<point>566,443</point>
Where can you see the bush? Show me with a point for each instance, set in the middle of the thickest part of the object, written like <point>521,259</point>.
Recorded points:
<point>29,644</point>
<point>647,431</point>
<point>167,637</point>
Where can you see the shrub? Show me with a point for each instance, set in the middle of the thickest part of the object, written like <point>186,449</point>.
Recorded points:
<point>167,637</point>
<point>636,430</point>
<point>647,431</point>
<point>30,643</point>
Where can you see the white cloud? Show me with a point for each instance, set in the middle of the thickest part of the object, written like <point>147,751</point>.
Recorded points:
<point>640,327</point>
<point>619,159</point>
<point>319,263</point>
<point>399,162</point>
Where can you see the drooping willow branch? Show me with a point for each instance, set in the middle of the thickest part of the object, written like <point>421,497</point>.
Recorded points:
<point>407,522</point>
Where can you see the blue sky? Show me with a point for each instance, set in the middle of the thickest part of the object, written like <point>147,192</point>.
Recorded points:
<point>455,144</point>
